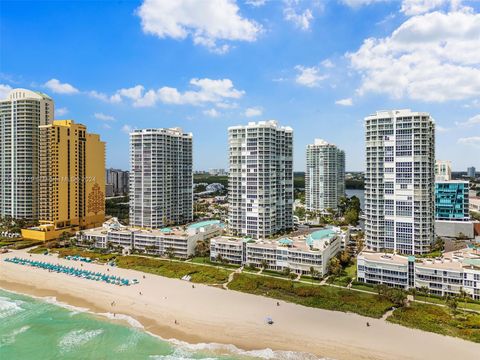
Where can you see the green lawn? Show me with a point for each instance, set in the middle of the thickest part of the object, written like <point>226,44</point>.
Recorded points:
<point>471,305</point>
<point>438,320</point>
<point>174,269</point>
<point>348,274</point>
<point>324,297</point>
<point>207,261</point>
<point>18,243</point>
<point>364,288</point>
<point>72,251</point>
<point>351,270</point>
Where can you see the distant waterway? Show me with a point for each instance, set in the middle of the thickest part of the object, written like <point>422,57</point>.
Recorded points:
<point>358,193</point>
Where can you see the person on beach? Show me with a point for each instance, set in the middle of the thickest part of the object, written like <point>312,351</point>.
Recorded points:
<point>278,304</point>
<point>368,324</point>
<point>176,323</point>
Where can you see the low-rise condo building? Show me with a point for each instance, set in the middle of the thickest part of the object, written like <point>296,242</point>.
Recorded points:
<point>299,254</point>
<point>442,276</point>
<point>452,218</point>
<point>179,242</point>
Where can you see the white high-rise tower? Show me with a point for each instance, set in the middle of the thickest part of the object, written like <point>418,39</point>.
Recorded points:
<point>260,179</point>
<point>399,181</point>
<point>325,176</point>
<point>161,177</point>
<point>20,116</point>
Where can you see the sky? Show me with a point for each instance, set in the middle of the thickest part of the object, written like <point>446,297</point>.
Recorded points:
<point>204,65</point>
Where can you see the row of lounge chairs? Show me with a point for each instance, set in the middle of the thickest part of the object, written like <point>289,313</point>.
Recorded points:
<point>78,258</point>
<point>70,270</point>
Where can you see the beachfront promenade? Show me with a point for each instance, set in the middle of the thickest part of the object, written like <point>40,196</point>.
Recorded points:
<point>210,314</point>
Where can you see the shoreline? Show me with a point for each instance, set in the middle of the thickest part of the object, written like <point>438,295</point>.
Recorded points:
<point>209,315</point>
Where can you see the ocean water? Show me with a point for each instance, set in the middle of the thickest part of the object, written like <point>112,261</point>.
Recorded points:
<point>42,328</point>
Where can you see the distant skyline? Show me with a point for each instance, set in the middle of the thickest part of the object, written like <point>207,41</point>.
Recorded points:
<point>317,66</point>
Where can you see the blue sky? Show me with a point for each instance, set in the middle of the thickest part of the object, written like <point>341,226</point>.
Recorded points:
<point>204,65</point>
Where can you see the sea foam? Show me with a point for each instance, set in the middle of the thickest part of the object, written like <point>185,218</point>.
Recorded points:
<point>9,339</point>
<point>77,338</point>
<point>9,307</point>
<point>184,349</point>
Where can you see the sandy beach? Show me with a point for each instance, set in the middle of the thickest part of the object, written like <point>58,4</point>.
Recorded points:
<point>206,314</point>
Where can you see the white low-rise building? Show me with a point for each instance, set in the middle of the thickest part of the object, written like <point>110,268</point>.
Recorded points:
<point>299,254</point>
<point>181,242</point>
<point>442,276</point>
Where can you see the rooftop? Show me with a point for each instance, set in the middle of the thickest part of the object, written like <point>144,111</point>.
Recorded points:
<point>454,260</point>
<point>314,242</point>
<point>201,224</point>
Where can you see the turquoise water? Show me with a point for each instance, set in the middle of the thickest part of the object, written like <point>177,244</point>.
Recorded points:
<point>40,329</point>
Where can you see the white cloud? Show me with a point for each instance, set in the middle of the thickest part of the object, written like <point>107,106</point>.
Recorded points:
<point>204,91</point>
<point>133,93</point>
<point>256,3</point>
<point>4,91</point>
<point>60,88</point>
<point>472,140</point>
<point>106,126</point>
<point>212,113</point>
<point>474,120</point>
<point>115,98</point>
<point>432,57</point>
<point>103,117</point>
<point>127,129</point>
<point>327,63</point>
<point>418,7</point>
<point>359,3</point>
<point>61,111</point>
<point>308,76</point>
<point>441,129</point>
<point>301,19</point>
<point>345,102</point>
<point>253,111</point>
<point>206,22</point>
<point>226,105</point>
<point>208,91</point>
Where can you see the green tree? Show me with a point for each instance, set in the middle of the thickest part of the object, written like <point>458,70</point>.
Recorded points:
<point>334,267</point>
<point>397,296</point>
<point>344,258</point>
<point>352,216</point>
<point>452,303</point>
<point>463,295</point>
<point>203,248</point>
<point>170,252</point>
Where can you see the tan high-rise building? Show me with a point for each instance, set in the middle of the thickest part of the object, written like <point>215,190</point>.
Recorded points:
<point>72,180</point>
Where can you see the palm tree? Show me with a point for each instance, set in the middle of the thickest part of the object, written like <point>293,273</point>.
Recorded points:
<point>264,264</point>
<point>463,295</point>
<point>313,272</point>
<point>413,291</point>
<point>424,290</point>
<point>452,303</point>
<point>170,252</point>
